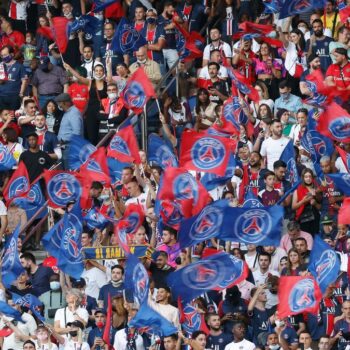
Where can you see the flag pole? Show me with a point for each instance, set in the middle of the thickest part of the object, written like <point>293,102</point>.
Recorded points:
<point>48,11</point>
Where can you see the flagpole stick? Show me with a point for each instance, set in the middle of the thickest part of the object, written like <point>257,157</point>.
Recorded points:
<point>48,11</point>
<point>157,102</point>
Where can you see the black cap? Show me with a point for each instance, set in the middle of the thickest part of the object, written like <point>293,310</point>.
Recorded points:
<point>100,311</point>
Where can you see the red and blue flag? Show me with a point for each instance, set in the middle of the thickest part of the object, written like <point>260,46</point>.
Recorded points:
<point>138,90</point>
<point>134,216</point>
<point>345,157</point>
<point>242,84</point>
<point>115,168</point>
<point>52,239</point>
<point>324,264</point>
<point>341,182</point>
<point>124,147</point>
<point>31,302</point>
<point>295,7</point>
<point>18,184</point>
<point>298,294</point>
<point>207,153</point>
<point>288,156</point>
<point>9,311</point>
<point>216,272</point>
<point>62,187</point>
<point>79,152</point>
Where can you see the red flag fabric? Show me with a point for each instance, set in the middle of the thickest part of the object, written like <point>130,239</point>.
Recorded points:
<point>190,39</point>
<point>60,32</point>
<point>18,184</point>
<point>107,331</point>
<point>138,91</point>
<point>114,11</point>
<point>124,147</point>
<point>343,215</point>
<point>251,27</point>
<point>273,42</point>
<point>135,216</point>
<point>120,229</point>
<point>334,123</point>
<point>180,186</point>
<point>201,152</point>
<point>345,157</point>
<point>46,32</point>
<point>96,167</point>
<point>298,294</point>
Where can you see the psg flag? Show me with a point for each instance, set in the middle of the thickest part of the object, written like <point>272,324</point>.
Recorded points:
<point>62,187</point>
<point>216,272</point>
<point>160,152</point>
<point>298,294</point>
<point>7,161</point>
<point>205,153</point>
<point>11,266</point>
<point>295,7</point>
<point>288,156</point>
<point>138,91</point>
<point>324,263</point>
<point>334,123</point>
<point>18,184</point>
<point>124,147</point>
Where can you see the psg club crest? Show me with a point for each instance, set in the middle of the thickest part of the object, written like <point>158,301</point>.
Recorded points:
<point>166,157</point>
<point>208,153</point>
<point>207,224</point>
<point>325,265</point>
<point>141,277</point>
<point>253,225</point>
<point>35,195</point>
<point>119,145</point>
<point>340,128</point>
<point>63,188</point>
<point>185,187</point>
<point>18,187</point>
<point>134,95</point>
<point>203,274</point>
<point>302,296</point>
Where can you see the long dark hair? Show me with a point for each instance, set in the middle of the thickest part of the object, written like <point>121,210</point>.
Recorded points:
<point>198,102</point>
<point>301,43</point>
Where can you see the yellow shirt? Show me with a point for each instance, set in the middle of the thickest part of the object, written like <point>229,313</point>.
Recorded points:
<point>329,22</point>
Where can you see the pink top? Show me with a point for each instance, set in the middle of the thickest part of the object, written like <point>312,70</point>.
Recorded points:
<point>262,68</point>
<point>286,242</point>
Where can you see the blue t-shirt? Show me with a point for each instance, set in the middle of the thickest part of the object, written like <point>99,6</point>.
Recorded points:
<point>112,291</point>
<point>170,34</point>
<point>290,335</point>
<point>41,280</point>
<point>15,73</point>
<point>219,340</point>
<point>260,322</point>
<point>344,327</point>
<point>321,48</point>
<point>157,56</point>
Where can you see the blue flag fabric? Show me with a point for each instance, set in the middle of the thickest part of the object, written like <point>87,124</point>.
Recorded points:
<point>31,302</point>
<point>94,219</point>
<point>260,226</point>
<point>216,272</point>
<point>52,239</point>
<point>115,168</point>
<point>9,311</point>
<point>11,265</point>
<point>152,322</point>
<point>32,201</point>
<point>160,152</point>
<point>211,180</point>
<point>288,156</point>
<point>315,143</point>
<point>324,263</point>
<point>102,4</point>
<point>136,279</point>
<point>294,7</point>
<point>251,201</point>
<point>69,257</point>
<point>127,38</point>
<point>7,161</point>
<point>341,182</point>
<point>86,23</point>
<point>79,151</point>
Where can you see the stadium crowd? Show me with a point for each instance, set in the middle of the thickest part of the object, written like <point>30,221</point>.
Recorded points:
<point>49,99</point>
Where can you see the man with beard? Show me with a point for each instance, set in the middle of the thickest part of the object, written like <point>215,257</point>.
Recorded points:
<point>255,173</point>
<point>217,338</point>
<point>39,274</point>
<point>314,64</point>
<point>272,147</point>
<point>319,44</point>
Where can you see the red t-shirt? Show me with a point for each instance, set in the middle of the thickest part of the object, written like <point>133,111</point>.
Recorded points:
<point>246,69</point>
<point>13,126</point>
<point>341,76</point>
<point>14,39</point>
<point>80,95</point>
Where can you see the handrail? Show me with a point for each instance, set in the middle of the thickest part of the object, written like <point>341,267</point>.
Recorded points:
<point>166,76</point>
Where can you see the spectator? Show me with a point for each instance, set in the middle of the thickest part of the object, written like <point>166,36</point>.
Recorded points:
<point>39,274</point>
<point>263,270</point>
<point>13,38</point>
<point>53,116</point>
<point>13,79</point>
<point>239,341</point>
<point>115,287</point>
<point>294,233</point>
<point>34,159</point>
<point>343,35</point>
<point>151,68</point>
